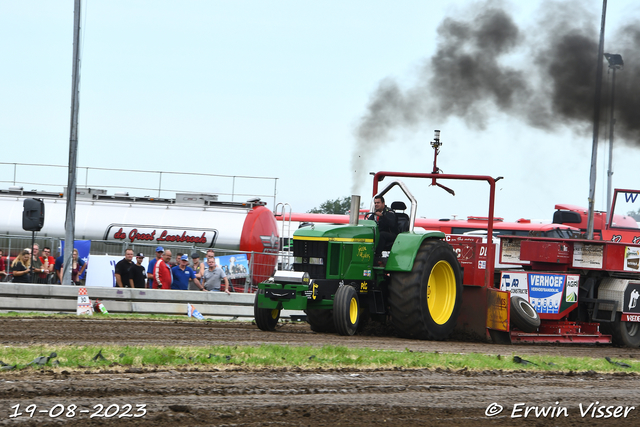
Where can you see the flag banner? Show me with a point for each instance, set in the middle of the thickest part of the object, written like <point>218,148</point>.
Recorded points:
<point>192,312</point>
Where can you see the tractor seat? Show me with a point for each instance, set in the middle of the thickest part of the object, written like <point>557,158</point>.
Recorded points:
<point>403,218</point>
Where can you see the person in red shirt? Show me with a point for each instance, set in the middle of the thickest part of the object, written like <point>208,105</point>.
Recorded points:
<point>162,272</point>
<point>3,269</point>
<point>47,262</point>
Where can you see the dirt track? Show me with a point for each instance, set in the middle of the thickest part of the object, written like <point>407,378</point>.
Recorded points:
<point>292,397</point>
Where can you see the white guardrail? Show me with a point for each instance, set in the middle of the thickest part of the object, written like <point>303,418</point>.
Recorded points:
<point>59,298</point>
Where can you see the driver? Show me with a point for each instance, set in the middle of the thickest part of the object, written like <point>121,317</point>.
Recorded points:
<point>387,225</point>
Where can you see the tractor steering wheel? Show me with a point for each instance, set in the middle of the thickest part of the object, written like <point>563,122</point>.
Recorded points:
<point>370,216</point>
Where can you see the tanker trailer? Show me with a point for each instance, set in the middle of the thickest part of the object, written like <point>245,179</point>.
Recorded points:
<point>198,220</point>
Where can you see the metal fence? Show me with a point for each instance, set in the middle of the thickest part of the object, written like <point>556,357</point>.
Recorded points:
<point>261,265</point>
<point>55,299</point>
<point>162,183</point>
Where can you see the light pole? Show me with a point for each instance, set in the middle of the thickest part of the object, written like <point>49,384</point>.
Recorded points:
<point>596,125</point>
<point>615,63</point>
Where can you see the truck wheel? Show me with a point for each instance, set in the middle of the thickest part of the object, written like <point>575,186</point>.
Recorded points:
<point>623,334</point>
<point>346,310</point>
<point>523,315</point>
<point>320,320</point>
<point>266,318</point>
<point>425,302</point>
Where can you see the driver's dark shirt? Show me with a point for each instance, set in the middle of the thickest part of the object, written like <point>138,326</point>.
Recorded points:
<point>387,221</point>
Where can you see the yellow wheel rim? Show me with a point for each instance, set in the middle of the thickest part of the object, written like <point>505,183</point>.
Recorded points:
<point>275,313</point>
<point>353,311</point>
<point>441,292</point>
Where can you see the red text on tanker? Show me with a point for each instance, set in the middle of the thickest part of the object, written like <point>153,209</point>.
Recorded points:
<point>134,235</point>
<point>166,237</point>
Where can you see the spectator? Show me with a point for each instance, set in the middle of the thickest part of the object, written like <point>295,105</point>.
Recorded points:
<point>124,276</point>
<point>152,265</point>
<point>77,267</point>
<point>214,275</point>
<point>210,254</point>
<point>47,264</point>
<point>36,264</point>
<point>183,274</point>
<point>21,268</point>
<point>162,272</point>
<point>177,261</point>
<point>57,267</point>
<point>139,274</point>
<point>198,267</point>
<point>3,268</point>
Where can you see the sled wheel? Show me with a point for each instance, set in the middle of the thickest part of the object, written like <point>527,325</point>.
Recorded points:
<point>425,302</point>
<point>523,315</point>
<point>266,318</point>
<point>346,310</point>
<point>320,320</point>
<point>623,334</point>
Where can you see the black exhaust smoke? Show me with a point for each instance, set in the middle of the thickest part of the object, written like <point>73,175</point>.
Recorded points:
<point>543,75</point>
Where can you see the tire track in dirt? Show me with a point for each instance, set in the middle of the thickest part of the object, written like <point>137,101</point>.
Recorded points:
<point>292,396</point>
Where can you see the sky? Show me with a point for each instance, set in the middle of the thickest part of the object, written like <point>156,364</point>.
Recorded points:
<point>320,94</point>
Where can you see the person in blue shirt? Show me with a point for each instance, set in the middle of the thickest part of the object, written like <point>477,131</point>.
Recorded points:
<point>57,268</point>
<point>182,273</point>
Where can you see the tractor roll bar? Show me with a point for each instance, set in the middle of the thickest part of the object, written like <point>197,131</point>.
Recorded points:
<point>488,277</point>
<point>407,193</point>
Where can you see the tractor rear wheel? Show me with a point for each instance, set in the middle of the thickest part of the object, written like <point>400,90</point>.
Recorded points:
<point>425,302</point>
<point>623,334</point>
<point>320,320</point>
<point>266,318</point>
<point>346,310</point>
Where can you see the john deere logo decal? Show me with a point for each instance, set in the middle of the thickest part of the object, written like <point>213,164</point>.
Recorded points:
<point>363,254</point>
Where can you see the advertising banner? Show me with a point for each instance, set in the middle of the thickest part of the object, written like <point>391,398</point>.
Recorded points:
<point>83,247</point>
<point>573,283</point>
<point>516,283</point>
<point>632,258</point>
<point>545,291</point>
<point>587,256</point>
<point>103,270</point>
<point>631,295</point>
<point>235,266</point>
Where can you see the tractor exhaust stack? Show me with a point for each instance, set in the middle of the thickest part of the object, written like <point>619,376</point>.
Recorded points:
<point>355,210</point>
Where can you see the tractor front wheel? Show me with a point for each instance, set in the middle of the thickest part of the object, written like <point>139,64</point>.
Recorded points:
<point>346,310</point>
<point>425,302</point>
<point>266,318</point>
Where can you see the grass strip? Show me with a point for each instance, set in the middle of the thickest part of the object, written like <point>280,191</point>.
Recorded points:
<point>278,356</point>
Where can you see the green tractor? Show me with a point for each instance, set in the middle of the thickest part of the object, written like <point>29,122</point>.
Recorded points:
<point>336,282</point>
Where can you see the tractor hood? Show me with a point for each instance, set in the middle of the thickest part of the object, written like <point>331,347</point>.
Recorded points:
<point>364,232</point>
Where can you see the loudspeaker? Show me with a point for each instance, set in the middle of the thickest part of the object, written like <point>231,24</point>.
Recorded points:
<point>33,215</point>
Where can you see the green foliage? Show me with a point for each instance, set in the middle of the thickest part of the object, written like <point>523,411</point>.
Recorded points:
<point>635,215</point>
<point>337,206</point>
